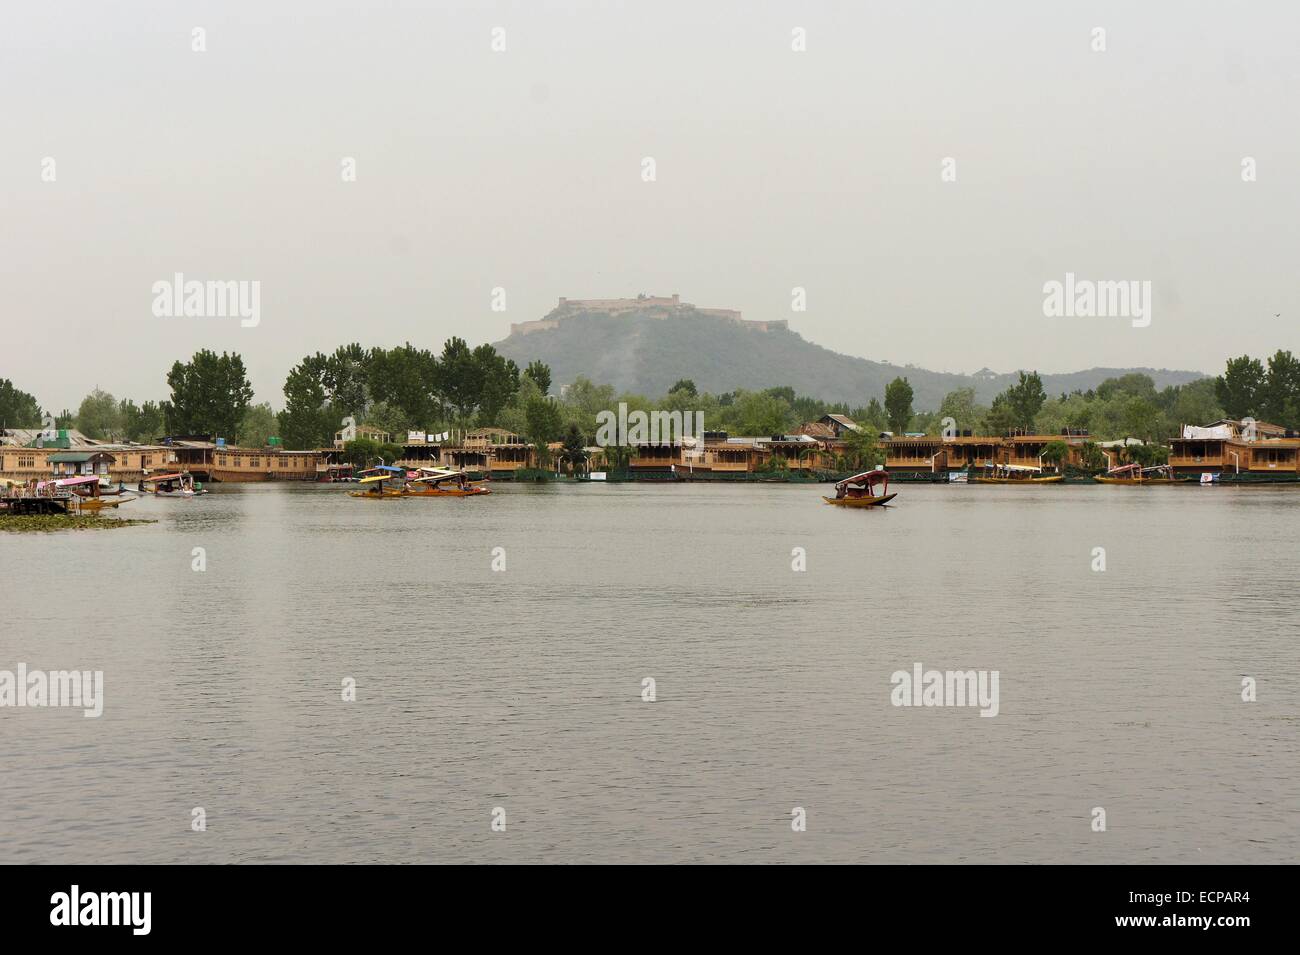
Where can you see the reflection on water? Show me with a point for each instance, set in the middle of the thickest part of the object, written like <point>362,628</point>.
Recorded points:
<point>522,688</point>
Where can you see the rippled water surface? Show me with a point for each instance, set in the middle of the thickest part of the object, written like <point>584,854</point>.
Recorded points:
<point>522,689</point>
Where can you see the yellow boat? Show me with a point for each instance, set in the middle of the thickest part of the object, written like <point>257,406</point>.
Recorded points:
<point>1134,474</point>
<point>1051,479</point>
<point>860,491</point>
<point>443,482</point>
<point>86,489</point>
<point>1013,474</point>
<point>378,490</point>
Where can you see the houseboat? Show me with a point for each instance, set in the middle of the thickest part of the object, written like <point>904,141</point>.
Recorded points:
<point>1236,452</point>
<point>919,457</point>
<point>271,463</point>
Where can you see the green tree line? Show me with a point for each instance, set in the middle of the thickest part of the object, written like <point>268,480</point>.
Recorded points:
<point>409,388</point>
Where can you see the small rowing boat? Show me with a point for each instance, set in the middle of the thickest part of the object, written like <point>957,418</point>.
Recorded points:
<point>860,490</point>
<point>177,484</point>
<point>376,486</point>
<point>1135,474</point>
<point>88,491</point>
<point>1013,474</point>
<point>444,482</point>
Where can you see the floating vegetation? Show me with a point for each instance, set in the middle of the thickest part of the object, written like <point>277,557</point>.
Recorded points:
<point>40,523</point>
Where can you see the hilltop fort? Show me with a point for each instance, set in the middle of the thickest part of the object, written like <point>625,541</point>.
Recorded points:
<point>646,306</point>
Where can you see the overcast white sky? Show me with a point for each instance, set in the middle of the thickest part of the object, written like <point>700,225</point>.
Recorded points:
<point>522,169</point>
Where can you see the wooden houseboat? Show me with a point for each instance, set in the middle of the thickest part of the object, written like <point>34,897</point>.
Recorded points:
<point>1232,452</point>
<point>272,463</point>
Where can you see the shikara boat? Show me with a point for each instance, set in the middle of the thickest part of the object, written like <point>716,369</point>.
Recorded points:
<point>860,490</point>
<point>1013,474</point>
<point>444,482</point>
<point>382,483</point>
<point>108,489</point>
<point>176,484</point>
<point>87,490</point>
<point>1134,474</point>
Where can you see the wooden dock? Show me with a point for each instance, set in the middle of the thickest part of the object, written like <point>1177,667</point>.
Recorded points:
<point>20,501</point>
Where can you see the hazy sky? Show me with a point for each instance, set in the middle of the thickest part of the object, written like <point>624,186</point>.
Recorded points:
<point>522,169</point>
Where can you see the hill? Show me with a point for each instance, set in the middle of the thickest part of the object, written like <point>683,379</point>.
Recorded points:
<point>645,346</point>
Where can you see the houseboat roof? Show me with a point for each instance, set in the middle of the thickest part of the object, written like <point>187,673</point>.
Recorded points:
<point>817,429</point>
<point>914,439</point>
<point>789,439</point>
<point>844,420</point>
<point>74,481</point>
<point>76,457</point>
<point>28,436</point>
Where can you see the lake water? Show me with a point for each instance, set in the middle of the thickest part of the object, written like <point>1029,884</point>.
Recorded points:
<point>522,688</point>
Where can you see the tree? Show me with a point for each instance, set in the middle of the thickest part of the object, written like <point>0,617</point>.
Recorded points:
<point>259,424</point>
<point>861,450</point>
<point>544,420</point>
<point>405,379</point>
<point>961,407</point>
<point>898,404</point>
<point>498,380</point>
<point>685,385</point>
<point>1241,386</point>
<point>573,453</point>
<point>210,394</point>
<point>309,420</point>
<point>388,418</point>
<point>1025,399</point>
<point>617,457</point>
<point>1092,457</point>
<point>18,409</point>
<point>1001,418</point>
<point>364,453</point>
<point>585,400</point>
<point>99,417</point>
<point>1055,453</point>
<point>540,373</point>
<point>872,417</point>
<point>1196,403</point>
<point>1280,398</point>
<point>458,377</point>
<point>346,377</point>
<point>1134,383</point>
<point>144,424</point>
<point>1141,419</point>
<point>757,413</point>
